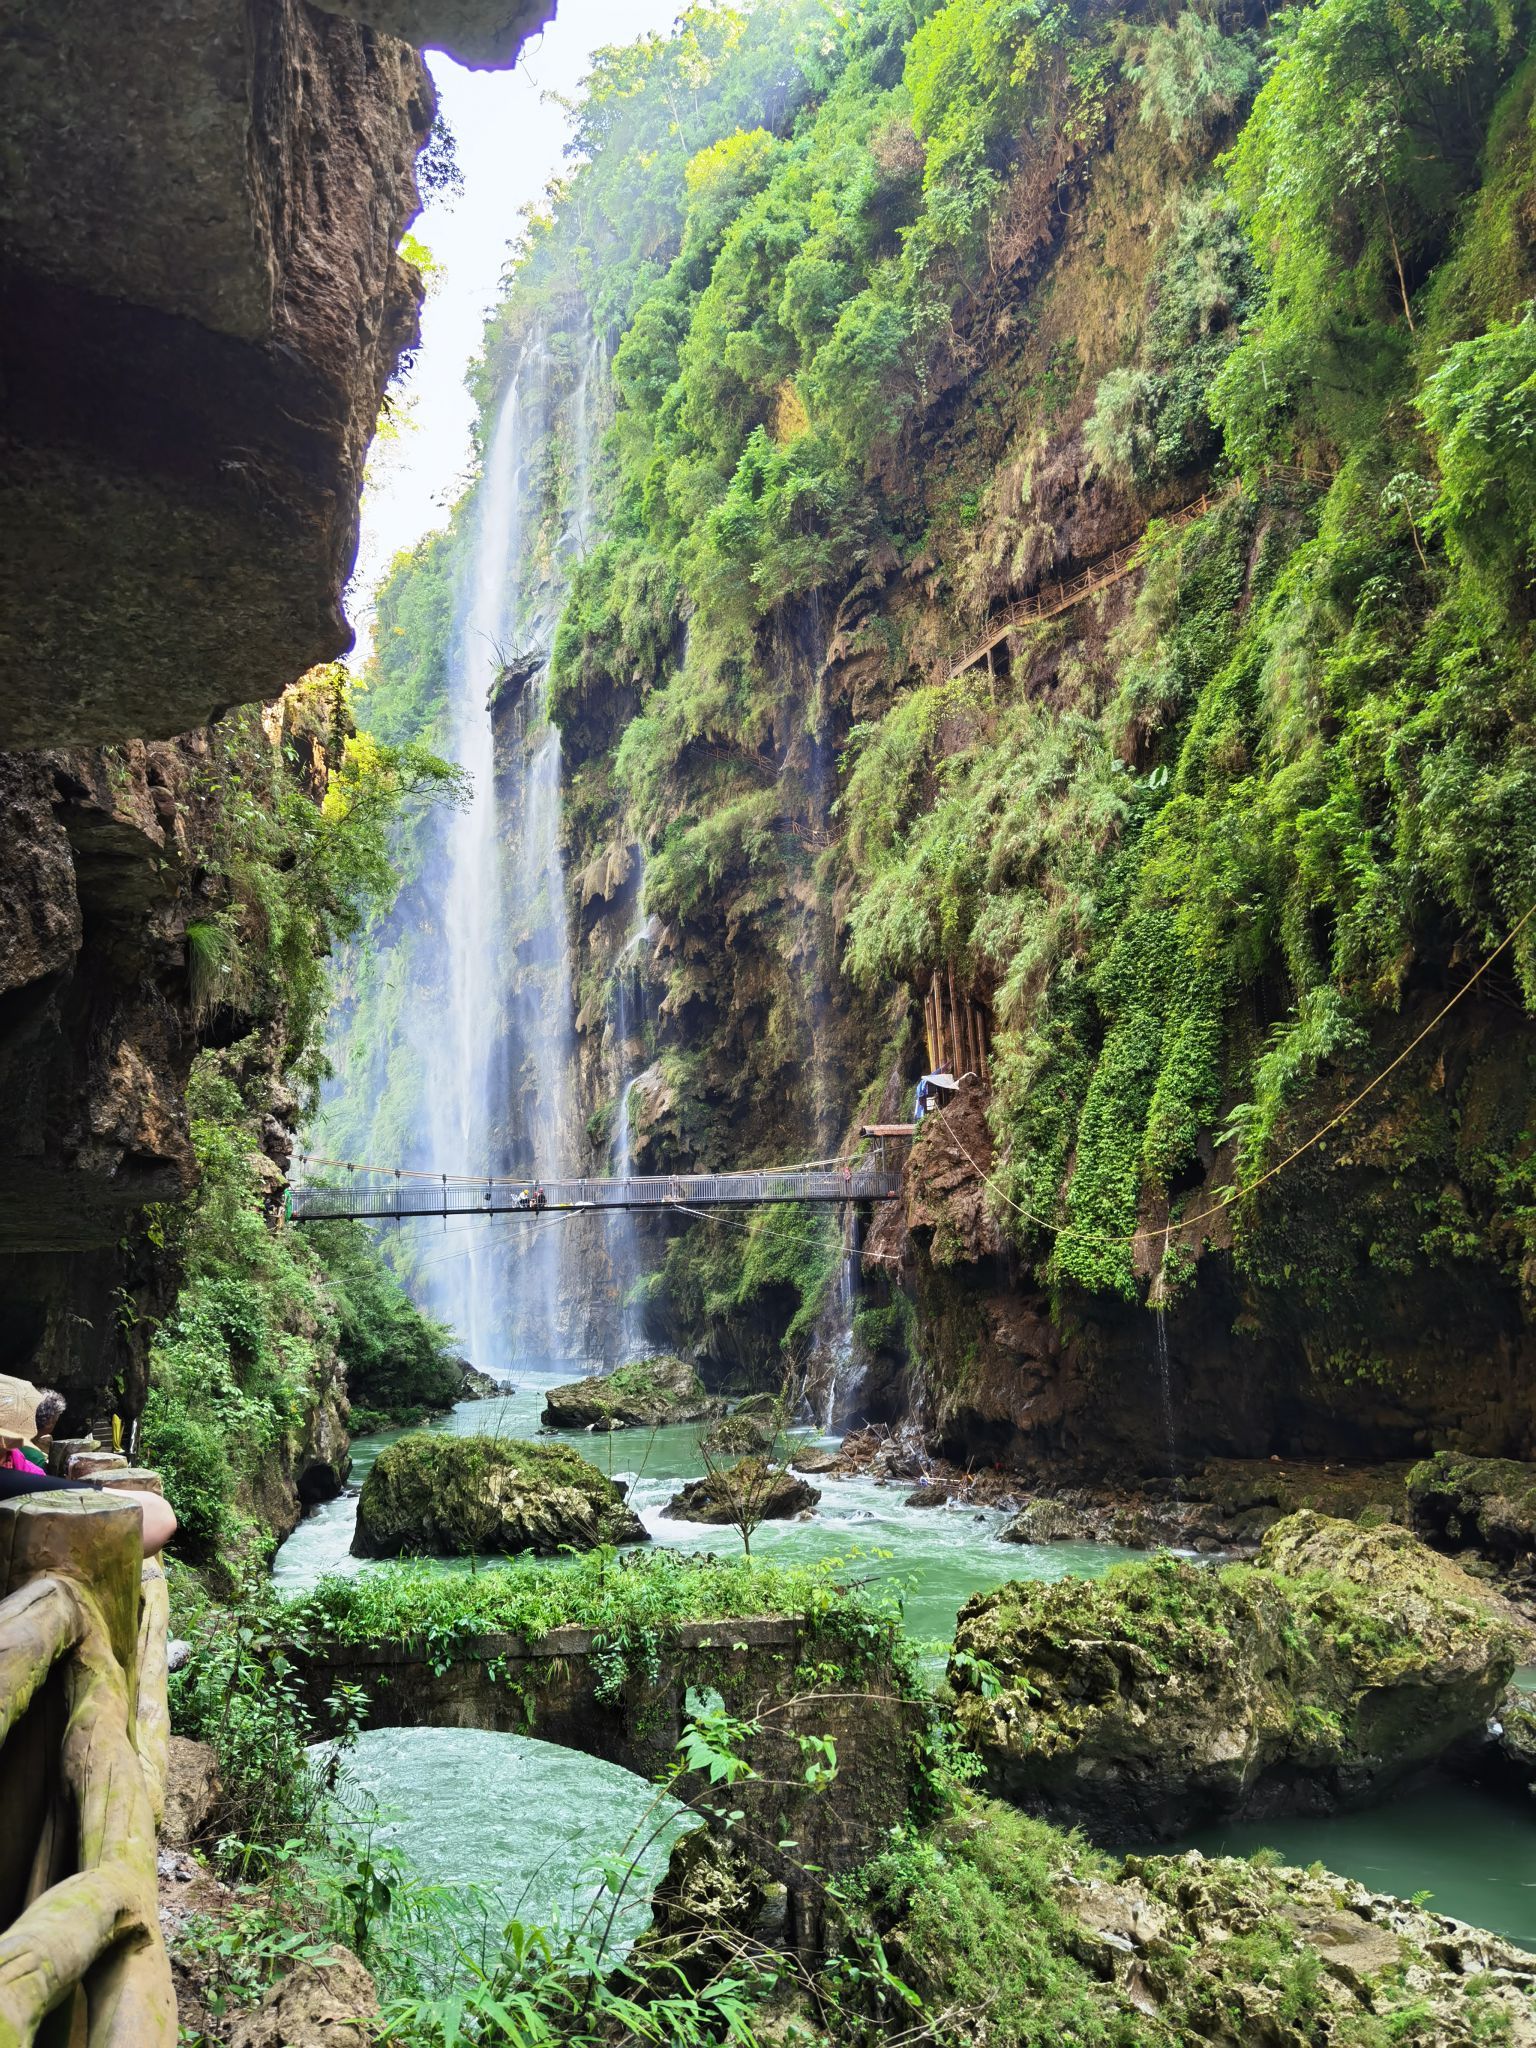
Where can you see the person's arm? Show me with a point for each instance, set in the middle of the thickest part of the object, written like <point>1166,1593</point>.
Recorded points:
<point>156,1513</point>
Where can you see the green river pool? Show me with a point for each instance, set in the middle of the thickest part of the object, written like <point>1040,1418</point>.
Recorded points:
<point>520,1828</point>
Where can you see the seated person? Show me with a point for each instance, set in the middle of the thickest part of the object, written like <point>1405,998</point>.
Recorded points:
<point>28,1412</point>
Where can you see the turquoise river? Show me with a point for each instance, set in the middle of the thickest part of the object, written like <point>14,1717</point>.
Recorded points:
<point>518,1828</point>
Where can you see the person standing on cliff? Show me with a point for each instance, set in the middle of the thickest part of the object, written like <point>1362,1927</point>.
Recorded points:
<point>28,1412</point>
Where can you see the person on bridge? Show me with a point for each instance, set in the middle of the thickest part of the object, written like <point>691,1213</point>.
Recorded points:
<point>28,1412</point>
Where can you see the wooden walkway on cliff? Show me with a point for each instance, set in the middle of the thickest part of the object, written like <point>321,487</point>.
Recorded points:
<point>1051,599</point>
<point>382,1194</point>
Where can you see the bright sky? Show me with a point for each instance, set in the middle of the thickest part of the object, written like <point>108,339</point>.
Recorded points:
<point>510,137</point>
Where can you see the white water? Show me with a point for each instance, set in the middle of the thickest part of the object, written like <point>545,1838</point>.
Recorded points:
<point>1165,1392</point>
<point>463,1106</point>
<point>493,1046</point>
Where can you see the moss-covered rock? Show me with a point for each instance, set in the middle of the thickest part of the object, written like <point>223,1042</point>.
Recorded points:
<point>1483,1504</point>
<point>1167,1693</point>
<point>753,1427</point>
<point>455,1496</point>
<point>644,1395</point>
<point>1023,1937</point>
<point>774,1496</point>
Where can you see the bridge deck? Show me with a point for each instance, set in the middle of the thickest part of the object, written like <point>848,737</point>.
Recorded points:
<point>316,1202</point>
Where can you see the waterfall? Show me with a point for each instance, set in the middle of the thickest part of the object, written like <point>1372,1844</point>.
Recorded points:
<point>581,532</point>
<point>541,1031</point>
<point>462,1106</point>
<point>460,1054</point>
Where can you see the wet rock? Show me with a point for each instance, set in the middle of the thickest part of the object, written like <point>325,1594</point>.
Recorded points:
<point>812,1459</point>
<point>1514,1734</point>
<point>1226,1504</point>
<point>775,1496</point>
<point>1049,1521</point>
<point>933,1493</point>
<point>1487,1504</point>
<point>191,1792</point>
<point>1168,1693</point>
<point>452,1496</point>
<point>881,1453</point>
<point>313,2007</point>
<point>648,1394</point>
<point>478,1386</point>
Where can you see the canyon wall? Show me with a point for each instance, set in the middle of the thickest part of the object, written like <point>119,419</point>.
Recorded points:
<point>203,304</point>
<point>909,340</point>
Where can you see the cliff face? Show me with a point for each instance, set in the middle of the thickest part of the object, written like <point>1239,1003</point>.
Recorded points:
<point>1391,1365</point>
<point>105,848</point>
<point>1055,542</point>
<point>479,32</point>
<point>202,304</point>
<point>1147,837</point>
<point>113,856</point>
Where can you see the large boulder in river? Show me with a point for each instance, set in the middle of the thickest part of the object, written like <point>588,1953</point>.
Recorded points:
<point>1482,1504</point>
<point>773,1495</point>
<point>1167,1693</point>
<point>644,1395</point>
<point>456,1496</point>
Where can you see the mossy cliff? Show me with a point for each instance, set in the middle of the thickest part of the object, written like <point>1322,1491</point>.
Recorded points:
<point>1025,1938</point>
<point>1169,1693</point>
<point>162,953</point>
<point>456,1496</point>
<point>938,307</point>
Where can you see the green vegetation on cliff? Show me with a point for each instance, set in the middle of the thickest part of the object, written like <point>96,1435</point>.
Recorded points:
<point>249,1370</point>
<point>912,308</point>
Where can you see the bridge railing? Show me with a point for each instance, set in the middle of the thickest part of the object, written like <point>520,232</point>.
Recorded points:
<point>83,1741</point>
<point>407,1195</point>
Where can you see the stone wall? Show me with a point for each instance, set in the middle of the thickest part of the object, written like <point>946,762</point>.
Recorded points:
<point>560,1689</point>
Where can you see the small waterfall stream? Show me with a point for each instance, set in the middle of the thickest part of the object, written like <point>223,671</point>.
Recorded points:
<point>625,1247</point>
<point>1165,1393</point>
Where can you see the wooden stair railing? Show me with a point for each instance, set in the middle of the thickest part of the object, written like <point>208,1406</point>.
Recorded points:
<point>1051,599</point>
<point>84,1733</point>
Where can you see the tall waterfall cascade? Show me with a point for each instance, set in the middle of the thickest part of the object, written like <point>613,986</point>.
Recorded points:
<point>479,1072</point>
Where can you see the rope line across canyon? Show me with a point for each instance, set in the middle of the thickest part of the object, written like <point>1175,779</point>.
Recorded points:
<point>1235,1194</point>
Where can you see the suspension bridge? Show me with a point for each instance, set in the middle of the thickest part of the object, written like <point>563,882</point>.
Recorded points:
<point>331,1190</point>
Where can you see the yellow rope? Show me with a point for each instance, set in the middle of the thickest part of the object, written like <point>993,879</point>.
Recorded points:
<point>1235,1194</point>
